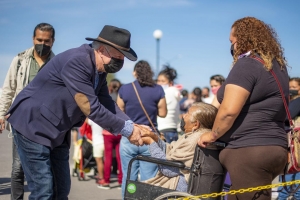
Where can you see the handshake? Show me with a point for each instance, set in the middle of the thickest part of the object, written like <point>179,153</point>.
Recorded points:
<point>142,134</point>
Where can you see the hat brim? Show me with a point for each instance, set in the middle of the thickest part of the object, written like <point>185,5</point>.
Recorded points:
<point>131,55</point>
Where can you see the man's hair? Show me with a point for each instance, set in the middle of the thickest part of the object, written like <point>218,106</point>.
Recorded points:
<point>297,79</point>
<point>96,45</point>
<point>184,93</point>
<point>259,37</point>
<point>45,27</point>
<point>204,113</point>
<point>206,88</point>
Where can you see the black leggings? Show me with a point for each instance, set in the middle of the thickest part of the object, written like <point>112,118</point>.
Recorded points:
<point>252,167</point>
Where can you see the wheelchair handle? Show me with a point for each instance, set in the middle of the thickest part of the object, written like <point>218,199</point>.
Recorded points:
<point>219,144</point>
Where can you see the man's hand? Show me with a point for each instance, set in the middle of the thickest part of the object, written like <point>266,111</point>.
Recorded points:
<point>2,125</point>
<point>135,138</point>
<point>141,126</point>
<point>146,132</point>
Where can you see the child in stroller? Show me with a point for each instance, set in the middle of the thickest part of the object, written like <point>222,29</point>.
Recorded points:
<point>83,153</point>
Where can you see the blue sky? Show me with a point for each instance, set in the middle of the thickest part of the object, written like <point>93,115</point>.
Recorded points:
<point>195,32</point>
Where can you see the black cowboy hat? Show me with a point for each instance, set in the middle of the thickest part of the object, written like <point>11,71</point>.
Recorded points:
<point>118,38</point>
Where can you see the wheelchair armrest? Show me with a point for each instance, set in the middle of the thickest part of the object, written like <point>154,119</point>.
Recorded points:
<point>177,164</point>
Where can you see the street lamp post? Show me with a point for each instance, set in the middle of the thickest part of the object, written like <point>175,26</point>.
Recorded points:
<point>157,34</point>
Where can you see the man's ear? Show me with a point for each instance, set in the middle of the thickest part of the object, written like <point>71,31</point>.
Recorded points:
<point>134,74</point>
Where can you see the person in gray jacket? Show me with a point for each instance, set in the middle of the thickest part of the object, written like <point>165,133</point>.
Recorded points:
<point>23,69</point>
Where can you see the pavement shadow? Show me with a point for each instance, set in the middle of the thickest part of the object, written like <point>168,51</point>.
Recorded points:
<point>5,186</point>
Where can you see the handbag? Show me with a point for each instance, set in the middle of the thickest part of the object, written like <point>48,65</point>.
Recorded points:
<point>293,135</point>
<point>293,138</point>
<point>161,135</point>
<point>293,165</point>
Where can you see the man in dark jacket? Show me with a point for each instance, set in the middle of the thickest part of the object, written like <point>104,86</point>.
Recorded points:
<point>69,88</point>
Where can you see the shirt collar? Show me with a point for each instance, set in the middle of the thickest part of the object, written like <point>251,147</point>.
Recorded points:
<point>244,55</point>
<point>48,58</point>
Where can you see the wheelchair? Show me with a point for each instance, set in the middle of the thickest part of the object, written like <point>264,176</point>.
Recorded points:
<point>203,179</point>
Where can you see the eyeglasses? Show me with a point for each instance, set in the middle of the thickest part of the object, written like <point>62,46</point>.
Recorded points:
<point>107,51</point>
<point>118,56</point>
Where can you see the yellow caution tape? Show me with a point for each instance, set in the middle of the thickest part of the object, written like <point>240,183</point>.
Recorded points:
<point>241,191</point>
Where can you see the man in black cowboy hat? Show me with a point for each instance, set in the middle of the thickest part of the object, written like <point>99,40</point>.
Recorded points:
<point>69,88</point>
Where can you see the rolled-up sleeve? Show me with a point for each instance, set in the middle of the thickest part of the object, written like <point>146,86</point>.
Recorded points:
<point>157,152</point>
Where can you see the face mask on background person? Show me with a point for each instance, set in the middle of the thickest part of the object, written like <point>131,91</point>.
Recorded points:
<point>114,65</point>
<point>232,49</point>
<point>42,49</point>
<point>215,90</point>
<point>165,86</point>
<point>293,92</point>
<point>182,124</point>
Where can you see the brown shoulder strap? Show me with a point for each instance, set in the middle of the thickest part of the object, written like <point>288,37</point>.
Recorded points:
<point>281,92</point>
<point>138,96</point>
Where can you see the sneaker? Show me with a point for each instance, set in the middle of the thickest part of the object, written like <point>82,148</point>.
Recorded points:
<point>119,187</point>
<point>96,177</point>
<point>102,184</point>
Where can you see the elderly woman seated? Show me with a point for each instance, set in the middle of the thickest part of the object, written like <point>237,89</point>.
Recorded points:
<point>198,120</point>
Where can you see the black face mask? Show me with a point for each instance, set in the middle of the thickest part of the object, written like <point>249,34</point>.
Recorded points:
<point>293,92</point>
<point>114,65</point>
<point>42,49</point>
<point>232,49</point>
<point>182,124</point>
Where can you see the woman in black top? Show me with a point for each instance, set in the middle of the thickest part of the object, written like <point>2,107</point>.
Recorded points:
<point>251,112</point>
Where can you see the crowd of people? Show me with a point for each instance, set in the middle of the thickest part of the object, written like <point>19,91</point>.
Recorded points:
<point>149,116</point>
<point>164,105</point>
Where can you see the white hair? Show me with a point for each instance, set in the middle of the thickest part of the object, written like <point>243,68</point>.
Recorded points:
<point>204,113</point>
<point>96,45</point>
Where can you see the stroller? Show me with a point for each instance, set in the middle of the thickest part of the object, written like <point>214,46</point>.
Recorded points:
<point>83,154</point>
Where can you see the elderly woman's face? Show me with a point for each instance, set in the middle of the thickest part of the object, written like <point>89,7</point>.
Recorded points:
<point>189,126</point>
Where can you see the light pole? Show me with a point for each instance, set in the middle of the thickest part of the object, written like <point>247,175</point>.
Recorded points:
<point>157,34</point>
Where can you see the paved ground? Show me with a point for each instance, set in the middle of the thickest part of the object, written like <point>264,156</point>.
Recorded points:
<point>79,190</point>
